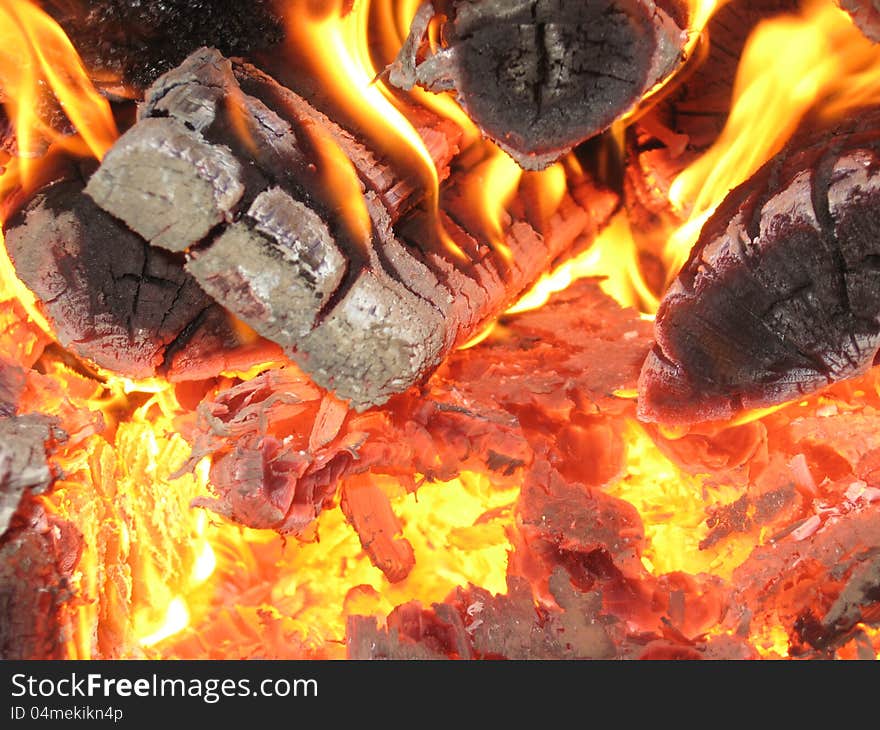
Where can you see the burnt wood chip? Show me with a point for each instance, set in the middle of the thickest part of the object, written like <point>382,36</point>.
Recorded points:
<point>865,14</point>
<point>781,294</point>
<point>540,76</point>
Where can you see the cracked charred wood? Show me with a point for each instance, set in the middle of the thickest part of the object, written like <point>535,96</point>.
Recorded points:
<point>133,42</point>
<point>25,442</point>
<point>288,222</point>
<point>865,14</point>
<point>781,294</point>
<point>111,298</point>
<point>540,76</point>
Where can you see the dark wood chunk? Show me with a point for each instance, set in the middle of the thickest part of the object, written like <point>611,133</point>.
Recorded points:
<point>110,297</point>
<point>132,42</point>
<point>39,556</point>
<point>781,294</point>
<point>865,14</point>
<point>540,76</point>
<point>12,380</point>
<point>25,442</point>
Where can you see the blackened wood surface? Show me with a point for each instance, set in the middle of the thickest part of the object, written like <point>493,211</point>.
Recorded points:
<point>111,298</point>
<point>781,294</point>
<point>134,41</point>
<point>540,76</point>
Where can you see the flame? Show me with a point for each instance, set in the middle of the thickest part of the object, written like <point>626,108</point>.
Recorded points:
<point>613,256</point>
<point>790,65</point>
<point>333,41</point>
<point>34,50</point>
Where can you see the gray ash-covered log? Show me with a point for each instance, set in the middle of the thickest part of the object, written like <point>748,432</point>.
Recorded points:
<point>287,221</point>
<point>781,294</point>
<point>539,76</point>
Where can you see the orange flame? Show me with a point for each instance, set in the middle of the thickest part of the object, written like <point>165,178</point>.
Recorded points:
<point>34,50</point>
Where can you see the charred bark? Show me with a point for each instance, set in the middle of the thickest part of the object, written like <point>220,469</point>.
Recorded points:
<point>133,42</point>
<point>781,294</point>
<point>231,167</point>
<point>111,298</point>
<point>540,77</point>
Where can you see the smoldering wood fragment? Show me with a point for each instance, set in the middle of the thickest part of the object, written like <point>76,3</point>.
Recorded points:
<point>781,294</point>
<point>110,297</point>
<point>368,509</point>
<point>25,443</point>
<point>39,555</point>
<point>539,77</point>
<point>817,587</point>
<point>12,380</point>
<point>865,14</point>
<point>132,42</point>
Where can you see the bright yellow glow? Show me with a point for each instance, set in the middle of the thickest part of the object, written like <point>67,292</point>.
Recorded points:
<point>176,620</point>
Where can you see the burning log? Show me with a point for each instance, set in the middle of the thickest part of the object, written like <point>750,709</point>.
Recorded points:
<point>110,297</point>
<point>39,554</point>
<point>780,295</point>
<point>540,77</point>
<point>865,14</point>
<point>244,168</point>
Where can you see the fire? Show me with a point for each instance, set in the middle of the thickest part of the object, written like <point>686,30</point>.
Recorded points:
<point>33,51</point>
<point>791,64</point>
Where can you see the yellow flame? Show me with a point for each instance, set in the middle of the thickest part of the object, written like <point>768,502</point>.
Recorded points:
<point>614,256</point>
<point>33,50</point>
<point>790,64</point>
<point>176,620</point>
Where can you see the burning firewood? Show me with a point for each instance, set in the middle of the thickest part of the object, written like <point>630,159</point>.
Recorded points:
<point>324,276</point>
<point>780,295</point>
<point>540,77</point>
<point>132,42</point>
<point>38,556</point>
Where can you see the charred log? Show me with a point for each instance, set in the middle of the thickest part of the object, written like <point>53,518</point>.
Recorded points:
<point>39,555</point>
<point>539,77</point>
<point>365,315</point>
<point>111,298</point>
<point>133,42</point>
<point>780,295</point>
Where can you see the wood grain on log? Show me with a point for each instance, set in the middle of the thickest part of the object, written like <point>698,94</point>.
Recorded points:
<point>364,314</point>
<point>781,294</point>
<point>539,77</point>
<point>111,298</point>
